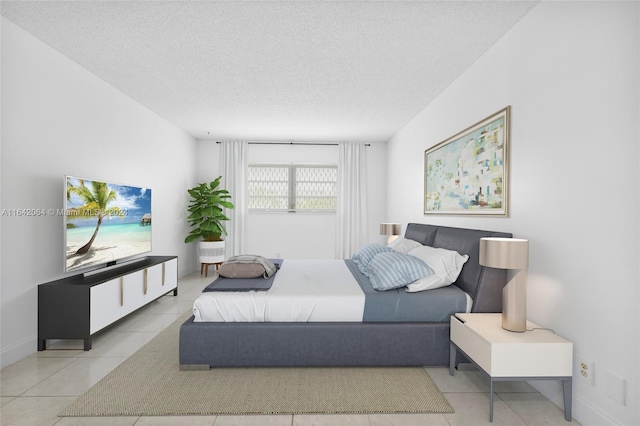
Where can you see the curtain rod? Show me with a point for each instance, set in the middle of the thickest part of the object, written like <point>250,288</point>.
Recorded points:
<point>291,143</point>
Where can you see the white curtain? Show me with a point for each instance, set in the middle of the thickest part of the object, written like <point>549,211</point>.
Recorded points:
<point>351,218</point>
<point>233,168</point>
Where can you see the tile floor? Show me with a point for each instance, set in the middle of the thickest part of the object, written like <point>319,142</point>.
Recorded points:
<point>35,389</point>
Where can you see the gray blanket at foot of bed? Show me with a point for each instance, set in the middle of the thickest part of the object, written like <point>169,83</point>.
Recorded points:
<point>244,284</point>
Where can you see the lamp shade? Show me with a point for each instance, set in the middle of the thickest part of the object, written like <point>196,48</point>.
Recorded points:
<point>509,253</point>
<point>504,253</point>
<point>390,229</point>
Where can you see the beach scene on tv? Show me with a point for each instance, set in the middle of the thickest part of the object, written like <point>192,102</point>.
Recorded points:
<point>105,222</point>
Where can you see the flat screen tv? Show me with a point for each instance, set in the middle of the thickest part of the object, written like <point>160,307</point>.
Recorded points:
<point>105,223</point>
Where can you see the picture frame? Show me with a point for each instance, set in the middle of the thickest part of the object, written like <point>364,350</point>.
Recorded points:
<point>468,173</point>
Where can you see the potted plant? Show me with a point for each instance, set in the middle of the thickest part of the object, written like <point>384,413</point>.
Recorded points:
<point>207,217</point>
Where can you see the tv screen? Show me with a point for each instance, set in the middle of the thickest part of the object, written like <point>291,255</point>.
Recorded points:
<point>104,222</point>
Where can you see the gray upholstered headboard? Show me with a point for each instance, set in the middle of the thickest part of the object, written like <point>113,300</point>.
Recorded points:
<point>483,284</point>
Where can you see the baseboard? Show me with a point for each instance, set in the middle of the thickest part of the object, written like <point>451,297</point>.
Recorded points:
<point>18,351</point>
<point>582,411</point>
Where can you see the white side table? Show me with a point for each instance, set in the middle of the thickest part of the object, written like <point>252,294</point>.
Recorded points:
<point>536,354</point>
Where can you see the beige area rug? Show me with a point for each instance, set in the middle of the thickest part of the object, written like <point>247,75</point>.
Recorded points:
<point>149,383</point>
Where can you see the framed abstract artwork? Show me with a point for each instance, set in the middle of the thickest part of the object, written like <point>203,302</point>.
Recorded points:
<point>468,173</point>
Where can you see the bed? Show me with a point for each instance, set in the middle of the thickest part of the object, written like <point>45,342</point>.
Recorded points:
<point>390,340</point>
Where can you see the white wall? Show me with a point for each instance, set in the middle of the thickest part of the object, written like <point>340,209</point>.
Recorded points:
<point>300,235</point>
<point>570,72</point>
<point>57,119</point>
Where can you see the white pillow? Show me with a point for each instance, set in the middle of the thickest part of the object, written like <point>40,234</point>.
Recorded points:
<point>404,245</point>
<point>446,264</point>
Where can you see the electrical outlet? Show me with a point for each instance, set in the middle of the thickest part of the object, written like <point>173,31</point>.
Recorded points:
<point>586,371</point>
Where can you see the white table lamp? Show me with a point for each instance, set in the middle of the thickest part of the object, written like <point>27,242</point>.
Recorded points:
<point>511,254</point>
<point>392,229</point>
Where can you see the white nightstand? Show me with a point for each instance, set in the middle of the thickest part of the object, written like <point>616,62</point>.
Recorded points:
<point>536,354</point>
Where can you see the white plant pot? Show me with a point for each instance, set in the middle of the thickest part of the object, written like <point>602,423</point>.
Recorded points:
<point>211,251</point>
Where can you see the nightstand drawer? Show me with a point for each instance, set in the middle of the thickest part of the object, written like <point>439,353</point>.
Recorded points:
<point>471,343</point>
<point>500,353</point>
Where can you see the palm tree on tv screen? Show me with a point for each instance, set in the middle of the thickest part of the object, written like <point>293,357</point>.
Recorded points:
<point>95,198</point>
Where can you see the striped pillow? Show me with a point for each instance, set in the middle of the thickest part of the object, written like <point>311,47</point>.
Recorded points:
<point>393,270</point>
<point>367,252</point>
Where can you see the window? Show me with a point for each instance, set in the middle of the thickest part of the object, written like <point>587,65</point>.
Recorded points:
<point>292,187</point>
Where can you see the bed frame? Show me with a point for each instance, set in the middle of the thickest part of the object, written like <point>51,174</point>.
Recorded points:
<point>209,344</point>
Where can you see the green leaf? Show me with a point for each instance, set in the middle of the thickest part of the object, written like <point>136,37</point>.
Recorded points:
<point>191,238</point>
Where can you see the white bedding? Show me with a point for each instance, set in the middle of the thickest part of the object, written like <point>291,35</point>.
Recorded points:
<point>302,291</point>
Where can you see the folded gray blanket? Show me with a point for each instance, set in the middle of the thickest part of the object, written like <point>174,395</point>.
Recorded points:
<point>243,284</point>
<point>269,267</point>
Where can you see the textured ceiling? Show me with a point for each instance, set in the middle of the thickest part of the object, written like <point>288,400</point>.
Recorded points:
<point>267,70</point>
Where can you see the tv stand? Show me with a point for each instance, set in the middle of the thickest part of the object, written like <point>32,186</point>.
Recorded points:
<point>79,306</point>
